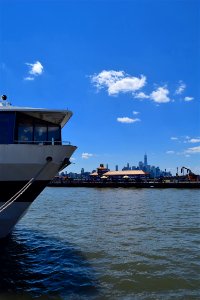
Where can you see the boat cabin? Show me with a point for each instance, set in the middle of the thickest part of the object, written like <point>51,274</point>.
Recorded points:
<point>20,128</point>
<point>31,126</point>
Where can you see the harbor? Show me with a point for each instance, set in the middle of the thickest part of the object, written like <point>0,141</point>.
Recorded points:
<point>138,185</point>
<point>104,178</point>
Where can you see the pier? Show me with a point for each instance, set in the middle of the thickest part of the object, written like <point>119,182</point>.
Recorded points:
<point>100,184</point>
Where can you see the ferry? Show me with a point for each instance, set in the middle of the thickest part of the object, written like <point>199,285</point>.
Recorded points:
<point>31,154</point>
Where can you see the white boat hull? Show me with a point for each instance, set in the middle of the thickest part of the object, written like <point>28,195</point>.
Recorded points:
<point>18,164</point>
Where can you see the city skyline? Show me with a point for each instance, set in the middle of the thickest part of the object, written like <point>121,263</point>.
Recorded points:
<point>153,171</point>
<point>129,71</point>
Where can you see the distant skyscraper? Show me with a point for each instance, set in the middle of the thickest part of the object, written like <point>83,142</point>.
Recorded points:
<point>116,168</point>
<point>141,165</point>
<point>145,160</point>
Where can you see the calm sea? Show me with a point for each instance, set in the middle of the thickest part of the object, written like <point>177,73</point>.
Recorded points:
<point>82,243</point>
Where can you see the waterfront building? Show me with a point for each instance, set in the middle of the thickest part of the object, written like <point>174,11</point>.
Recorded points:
<point>101,170</point>
<point>136,175</point>
<point>106,174</point>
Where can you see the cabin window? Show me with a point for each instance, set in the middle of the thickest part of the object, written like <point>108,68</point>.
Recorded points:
<point>54,134</point>
<point>7,123</point>
<point>40,132</point>
<point>25,132</point>
<point>35,131</point>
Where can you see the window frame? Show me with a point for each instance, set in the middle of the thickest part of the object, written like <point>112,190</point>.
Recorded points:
<point>20,117</point>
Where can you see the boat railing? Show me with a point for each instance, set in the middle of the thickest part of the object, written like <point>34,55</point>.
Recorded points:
<point>52,142</point>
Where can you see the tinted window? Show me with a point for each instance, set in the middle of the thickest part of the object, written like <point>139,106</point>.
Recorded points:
<point>7,123</point>
<point>25,132</point>
<point>40,133</point>
<point>33,130</point>
<point>54,134</point>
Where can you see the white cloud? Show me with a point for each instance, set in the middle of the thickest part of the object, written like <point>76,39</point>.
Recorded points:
<point>173,138</point>
<point>118,82</point>
<point>197,140</point>
<point>86,155</point>
<point>135,112</point>
<point>127,120</point>
<point>34,70</point>
<point>180,89</point>
<point>160,95</point>
<point>141,95</point>
<point>170,152</point>
<point>193,150</point>
<point>187,99</point>
<point>128,84</point>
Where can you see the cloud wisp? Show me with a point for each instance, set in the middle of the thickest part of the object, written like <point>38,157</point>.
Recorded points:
<point>188,99</point>
<point>181,88</point>
<point>35,69</point>
<point>186,139</point>
<point>170,152</point>
<point>174,138</point>
<point>136,112</point>
<point>86,155</point>
<point>194,140</point>
<point>193,150</point>
<point>128,120</point>
<point>117,82</point>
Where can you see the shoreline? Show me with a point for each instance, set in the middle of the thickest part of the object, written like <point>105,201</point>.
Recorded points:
<point>163,185</point>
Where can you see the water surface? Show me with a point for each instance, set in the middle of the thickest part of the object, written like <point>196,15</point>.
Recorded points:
<point>82,243</point>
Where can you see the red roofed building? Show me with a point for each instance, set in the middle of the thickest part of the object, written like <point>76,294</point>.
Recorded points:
<point>117,175</point>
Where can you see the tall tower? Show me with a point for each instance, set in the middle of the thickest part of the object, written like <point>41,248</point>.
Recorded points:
<point>145,160</point>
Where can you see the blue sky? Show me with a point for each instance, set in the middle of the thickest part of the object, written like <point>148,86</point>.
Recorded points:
<point>129,71</point>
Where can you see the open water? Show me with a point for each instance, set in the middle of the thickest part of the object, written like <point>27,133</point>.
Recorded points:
<point>82,243</point>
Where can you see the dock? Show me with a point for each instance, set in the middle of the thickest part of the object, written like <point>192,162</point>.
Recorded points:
<point>160,185</point>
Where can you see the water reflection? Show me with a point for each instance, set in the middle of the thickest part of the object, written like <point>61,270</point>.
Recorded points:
<point>36,265</point>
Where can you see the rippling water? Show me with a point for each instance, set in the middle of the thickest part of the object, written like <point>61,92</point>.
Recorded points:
<point>79,243</point>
